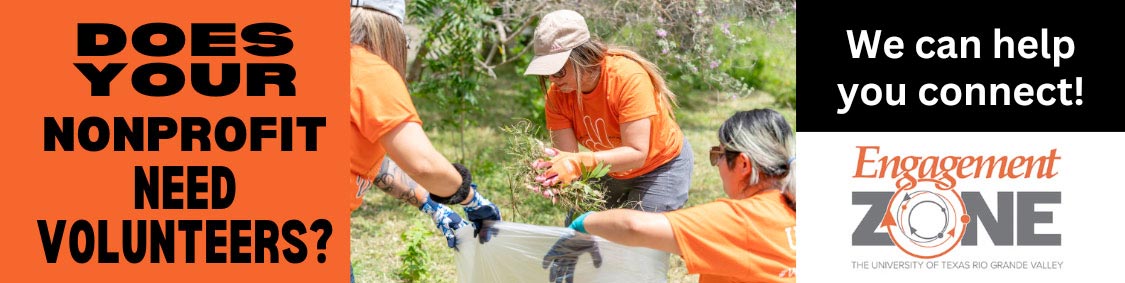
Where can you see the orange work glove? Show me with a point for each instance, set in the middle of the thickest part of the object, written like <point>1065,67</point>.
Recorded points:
<point>565,167</point>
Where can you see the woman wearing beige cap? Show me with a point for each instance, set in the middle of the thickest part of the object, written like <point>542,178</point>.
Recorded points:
<point>614,103</point>
<point>389,148</point>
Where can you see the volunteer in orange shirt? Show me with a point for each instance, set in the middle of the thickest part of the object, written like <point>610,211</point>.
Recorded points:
<point>614,103</point>
<point>389,148</point>
<point>747,238</point>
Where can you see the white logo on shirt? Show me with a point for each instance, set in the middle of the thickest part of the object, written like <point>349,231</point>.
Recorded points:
<point>597,134</point>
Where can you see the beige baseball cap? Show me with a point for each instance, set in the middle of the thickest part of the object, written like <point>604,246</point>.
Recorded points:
<point>558,33</point>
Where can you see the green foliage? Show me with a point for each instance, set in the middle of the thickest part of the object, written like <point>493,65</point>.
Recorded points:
<point>453,40</point>
<point>720,50</point>
<point>415,260</point>
<point>769,62</point>
<point>598,171</point>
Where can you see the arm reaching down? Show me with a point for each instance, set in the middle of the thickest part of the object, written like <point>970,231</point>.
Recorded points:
<point>633,151</point>
<point>394,181</point>
<point>564,140</point>
<point>409,147</point>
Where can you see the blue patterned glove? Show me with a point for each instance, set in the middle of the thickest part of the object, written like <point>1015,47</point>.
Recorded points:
<point>446,219</point>
<point>483,214</point>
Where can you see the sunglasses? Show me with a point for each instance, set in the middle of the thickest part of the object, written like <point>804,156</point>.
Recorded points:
<point>717,152</point>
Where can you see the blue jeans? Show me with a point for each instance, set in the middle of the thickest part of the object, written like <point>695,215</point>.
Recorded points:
<point>663,189</point>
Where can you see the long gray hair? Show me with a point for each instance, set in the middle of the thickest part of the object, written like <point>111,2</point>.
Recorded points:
<point>766,137</point>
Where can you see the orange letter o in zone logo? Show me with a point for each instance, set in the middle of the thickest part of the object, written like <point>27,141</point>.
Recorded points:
<point>926,224</point>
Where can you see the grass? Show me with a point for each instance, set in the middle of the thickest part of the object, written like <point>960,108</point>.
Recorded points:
<point>378,224</point>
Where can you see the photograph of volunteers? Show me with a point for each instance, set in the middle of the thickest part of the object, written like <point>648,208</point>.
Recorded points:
<point>615,103</point>
<point>746,238</point>
<point>389,148</point>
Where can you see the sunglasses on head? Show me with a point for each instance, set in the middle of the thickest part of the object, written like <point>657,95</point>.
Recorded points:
<point>717,152</point>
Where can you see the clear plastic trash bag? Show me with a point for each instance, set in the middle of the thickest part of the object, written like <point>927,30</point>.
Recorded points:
<point>515,254</point>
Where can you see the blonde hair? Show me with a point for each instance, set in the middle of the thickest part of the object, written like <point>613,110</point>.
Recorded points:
<point>767,139</point>
<point>382,35</point>
<point>590,55</point>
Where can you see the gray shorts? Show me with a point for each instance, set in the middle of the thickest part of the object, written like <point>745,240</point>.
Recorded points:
<point>663,189</point>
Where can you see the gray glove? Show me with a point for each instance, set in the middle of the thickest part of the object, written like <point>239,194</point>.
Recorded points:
<point>563,256</point>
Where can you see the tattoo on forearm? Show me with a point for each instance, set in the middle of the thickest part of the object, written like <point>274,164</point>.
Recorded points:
<point>392,180</point>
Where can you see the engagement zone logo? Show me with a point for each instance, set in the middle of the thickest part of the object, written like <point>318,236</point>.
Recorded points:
<point>929,222</point>
<point>927,217</point>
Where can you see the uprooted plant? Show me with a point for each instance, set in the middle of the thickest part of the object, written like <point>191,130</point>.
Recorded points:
<point>583,194</point>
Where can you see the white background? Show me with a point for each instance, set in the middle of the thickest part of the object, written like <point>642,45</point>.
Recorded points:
<point>1087,219</point>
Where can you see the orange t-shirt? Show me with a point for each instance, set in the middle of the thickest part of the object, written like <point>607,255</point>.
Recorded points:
<point>625,93</point>
<point>379,103</point>
<point>746,240</point>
